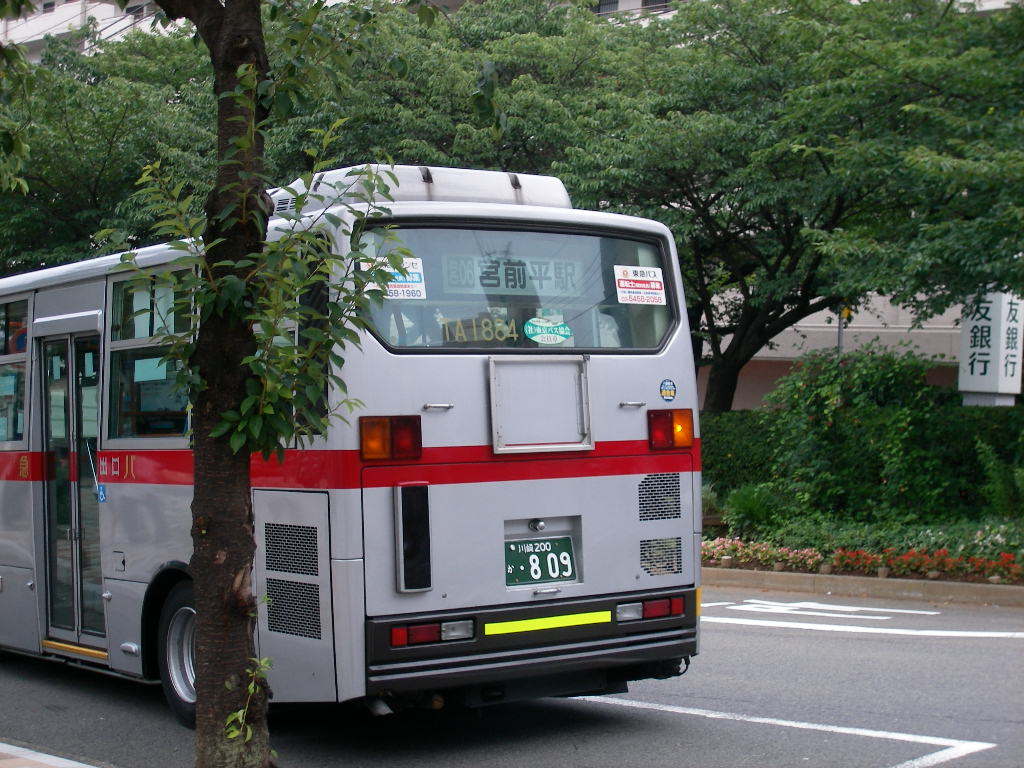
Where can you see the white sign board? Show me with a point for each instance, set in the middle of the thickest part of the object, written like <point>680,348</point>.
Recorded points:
<point>639,285</point>
<point>411,285</point>
<point>990,345</point>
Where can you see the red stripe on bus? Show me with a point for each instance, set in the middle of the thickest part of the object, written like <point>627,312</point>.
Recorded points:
<point>538,469</point>
<point>323,469</point>
<point>22,465</point>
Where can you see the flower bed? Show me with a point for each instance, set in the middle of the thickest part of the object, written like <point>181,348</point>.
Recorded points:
<point>914,563</point>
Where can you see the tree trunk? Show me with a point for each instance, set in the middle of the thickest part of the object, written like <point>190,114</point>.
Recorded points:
<point>222,535</point>
<point>223,528</point>
<point>722,380</point>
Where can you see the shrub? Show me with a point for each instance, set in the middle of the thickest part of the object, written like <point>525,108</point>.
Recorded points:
<point>735,449</point>
<point>1004,483</point>
<point>752,510</point>
<point>850,439</point>
<point>710,502</point>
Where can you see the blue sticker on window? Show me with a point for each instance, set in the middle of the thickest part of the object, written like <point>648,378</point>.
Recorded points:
<point>101,493</point>
<point>668,390</point>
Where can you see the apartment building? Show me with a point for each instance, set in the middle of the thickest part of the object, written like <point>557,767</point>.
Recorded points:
<point>55,18</point>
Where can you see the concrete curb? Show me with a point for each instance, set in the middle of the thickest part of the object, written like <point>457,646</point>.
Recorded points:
<point>865,586</point>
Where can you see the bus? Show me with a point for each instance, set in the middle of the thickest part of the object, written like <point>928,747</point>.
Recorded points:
<point>514,513</point>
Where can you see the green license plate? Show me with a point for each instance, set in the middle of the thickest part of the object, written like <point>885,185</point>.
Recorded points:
<point>538,561</point>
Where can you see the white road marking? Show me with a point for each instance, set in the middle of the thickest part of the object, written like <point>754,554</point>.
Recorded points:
<point>801,612</point>
<point>862,630</point>
<point>954,748</point>
<point>850,608</point>
<point>38,758</point>
<point>713,605</point>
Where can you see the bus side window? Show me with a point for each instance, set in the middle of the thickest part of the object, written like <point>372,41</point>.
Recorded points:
<point>144,399</point>
<point>13,331</point>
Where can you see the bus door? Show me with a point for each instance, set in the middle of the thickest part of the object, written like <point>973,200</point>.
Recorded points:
<point>70,412</point>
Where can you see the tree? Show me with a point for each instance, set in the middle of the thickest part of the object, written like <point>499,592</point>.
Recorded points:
<point>92,133</point>
<point>272,315</point>
<point>807,152</point>
<point>13,81</point>
<point>710,151</point>
<point>925,97</point>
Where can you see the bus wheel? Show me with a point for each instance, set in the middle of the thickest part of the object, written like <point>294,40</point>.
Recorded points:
<point>177,634</point>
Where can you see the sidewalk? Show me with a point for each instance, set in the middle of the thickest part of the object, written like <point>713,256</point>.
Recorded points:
<point>19,757</point>
<point>1007,595</point>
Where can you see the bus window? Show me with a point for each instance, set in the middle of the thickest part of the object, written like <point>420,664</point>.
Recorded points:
<point>144,310</point>
<point>12,401</point>
<point>13,335</point>
<point>480,289</point>
<point>13,327</point>
<point>144,398</point>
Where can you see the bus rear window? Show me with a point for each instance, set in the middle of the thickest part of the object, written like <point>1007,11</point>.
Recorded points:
<point>503,289</point>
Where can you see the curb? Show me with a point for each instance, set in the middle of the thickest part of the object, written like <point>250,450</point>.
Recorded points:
<point>865,586</point>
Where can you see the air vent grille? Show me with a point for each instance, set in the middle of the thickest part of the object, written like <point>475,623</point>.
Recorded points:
<point>293,608</point>
<point>284,204</point>
<point>659,557</point>
<point>291,549</point>
<point>659,497</point>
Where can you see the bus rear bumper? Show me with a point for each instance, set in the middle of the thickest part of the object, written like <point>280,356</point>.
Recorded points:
<point>571,661</point>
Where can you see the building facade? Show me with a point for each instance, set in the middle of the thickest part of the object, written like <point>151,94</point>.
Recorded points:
<point>56,18</point>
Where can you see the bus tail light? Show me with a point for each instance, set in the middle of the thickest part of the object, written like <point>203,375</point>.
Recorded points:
<point>424,633</point>
<point>390,437</point>
<point>658,608</point>
<point>406,438</point>
<point>670,428</point>
<point>434,632</point>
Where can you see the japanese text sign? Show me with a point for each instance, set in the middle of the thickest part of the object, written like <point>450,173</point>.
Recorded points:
<point>990,345</point>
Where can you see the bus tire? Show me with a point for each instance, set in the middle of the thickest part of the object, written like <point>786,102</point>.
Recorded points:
<point>176,635</point>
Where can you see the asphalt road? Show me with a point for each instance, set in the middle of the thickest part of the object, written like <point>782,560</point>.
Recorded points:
<point>782,680</point>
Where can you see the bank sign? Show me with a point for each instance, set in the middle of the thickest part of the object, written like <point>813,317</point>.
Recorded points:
<point>990,345</point>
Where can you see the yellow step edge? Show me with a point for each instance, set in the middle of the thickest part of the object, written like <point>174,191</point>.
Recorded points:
<point>80,650</point>
<point>548,622</point>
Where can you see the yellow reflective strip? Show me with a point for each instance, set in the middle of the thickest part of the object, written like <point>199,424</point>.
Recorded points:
<point>81,650</point>
<point>696,599</point>
<point>548,622</point>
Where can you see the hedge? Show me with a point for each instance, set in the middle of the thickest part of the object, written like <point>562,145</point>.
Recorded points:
<point>735,448</point>
<point>738,449</point>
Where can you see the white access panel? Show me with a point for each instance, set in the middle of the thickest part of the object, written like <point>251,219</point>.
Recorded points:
<point>293,586</point>
<point>539,404</point>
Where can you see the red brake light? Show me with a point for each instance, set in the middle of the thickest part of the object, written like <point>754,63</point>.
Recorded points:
<point>670,429</point>
<point>424,633</point>
<point>659,430</point>
<point>677,606</point>
<point>399,637</point>
<point>656,609</point>
<point>406,438</point>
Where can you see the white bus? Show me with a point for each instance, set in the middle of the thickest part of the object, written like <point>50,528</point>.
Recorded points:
<point>515,512</point>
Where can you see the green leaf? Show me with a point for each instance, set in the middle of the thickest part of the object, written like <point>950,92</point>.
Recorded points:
<point>237,441</point>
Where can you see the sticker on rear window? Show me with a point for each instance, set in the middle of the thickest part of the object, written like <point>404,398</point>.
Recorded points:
<point>544,331</point>
<point>639,285</point>
<point>410,285</point>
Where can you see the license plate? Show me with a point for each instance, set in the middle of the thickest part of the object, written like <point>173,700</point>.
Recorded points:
<point>538,561</point>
